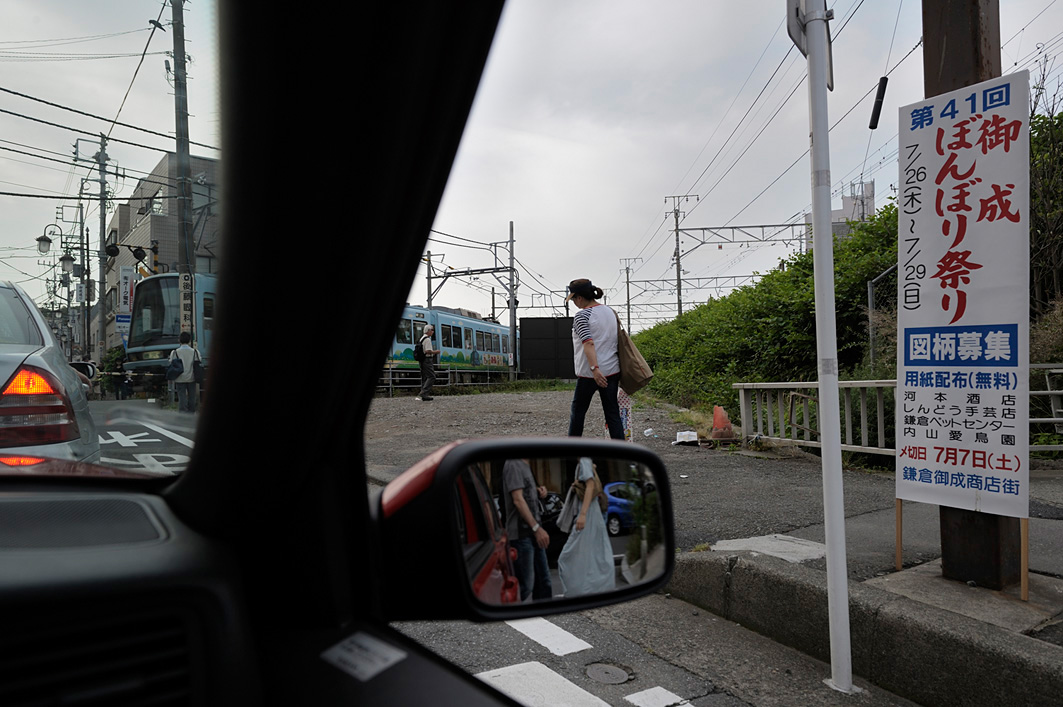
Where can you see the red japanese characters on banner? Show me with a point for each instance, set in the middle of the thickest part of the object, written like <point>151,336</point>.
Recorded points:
<point>963,299</point>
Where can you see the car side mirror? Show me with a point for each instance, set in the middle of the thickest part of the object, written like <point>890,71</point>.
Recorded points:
<point>455,541</point>
<point>85,368</point>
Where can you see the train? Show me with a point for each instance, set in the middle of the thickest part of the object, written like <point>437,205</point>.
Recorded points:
<point>471,348</point>
<point>155,323</point>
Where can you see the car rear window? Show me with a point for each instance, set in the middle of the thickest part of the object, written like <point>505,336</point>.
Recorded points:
<point>16,322</point>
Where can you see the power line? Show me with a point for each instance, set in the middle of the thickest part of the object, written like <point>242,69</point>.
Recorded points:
<point>99,117</point>
<point>155,25</point>
<point>65,198</point>
<point>6,55</point>
<point>72,40</point>
<point>78,131</point>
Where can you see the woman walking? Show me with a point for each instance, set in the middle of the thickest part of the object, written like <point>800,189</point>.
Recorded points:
<point>585,565</point>
<point>594,340</point>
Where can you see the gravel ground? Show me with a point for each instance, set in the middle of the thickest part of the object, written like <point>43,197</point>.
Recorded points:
<point>717,494</point>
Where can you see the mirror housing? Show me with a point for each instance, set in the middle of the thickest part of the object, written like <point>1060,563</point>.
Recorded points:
<point>85,368</point>
<point>421,555</point>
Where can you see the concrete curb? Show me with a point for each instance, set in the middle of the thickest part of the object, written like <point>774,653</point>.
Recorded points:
<point>919,652</point>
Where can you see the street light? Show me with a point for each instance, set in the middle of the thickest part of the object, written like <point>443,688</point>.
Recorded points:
<point>43,241</point>
<point>67,261</point>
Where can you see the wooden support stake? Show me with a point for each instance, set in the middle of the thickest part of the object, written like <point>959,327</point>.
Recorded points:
<point>1024,569</point>
<point>899,559</point>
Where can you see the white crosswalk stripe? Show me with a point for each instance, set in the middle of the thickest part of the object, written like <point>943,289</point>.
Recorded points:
<point>551,636</point>
<point>655,697</point>
<point>536,685</point>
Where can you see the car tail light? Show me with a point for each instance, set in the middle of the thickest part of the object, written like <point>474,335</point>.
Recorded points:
<point>34,409</point>
<point>21,461</point>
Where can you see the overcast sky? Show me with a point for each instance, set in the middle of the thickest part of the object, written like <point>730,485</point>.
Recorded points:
<point>589,114</point>
<point>53,50</point>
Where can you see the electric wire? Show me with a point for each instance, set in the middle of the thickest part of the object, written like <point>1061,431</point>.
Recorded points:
<point>70,40</point>
<point>100,117</point>
<point>136,71</point>
<point>78,131</point>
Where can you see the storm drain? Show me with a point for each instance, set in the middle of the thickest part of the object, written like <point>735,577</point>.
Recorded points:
<point>608,674</point>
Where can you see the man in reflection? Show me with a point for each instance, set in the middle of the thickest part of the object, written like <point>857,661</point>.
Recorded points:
<point>524,530</point>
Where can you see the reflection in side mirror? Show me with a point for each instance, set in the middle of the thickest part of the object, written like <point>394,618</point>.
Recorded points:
<point>551,528</point>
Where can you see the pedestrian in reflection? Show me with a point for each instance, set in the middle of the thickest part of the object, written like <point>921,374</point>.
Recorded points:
<point>428,363</point>
<point>594,344</point>
<point>586,562</point>
<point>186,381</point>
<point>524,529</point>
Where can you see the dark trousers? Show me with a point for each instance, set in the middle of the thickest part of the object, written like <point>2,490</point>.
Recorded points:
<point>428,376</point>
<point>186,397</point>
<point>533,570</point>
<point>581,400</point>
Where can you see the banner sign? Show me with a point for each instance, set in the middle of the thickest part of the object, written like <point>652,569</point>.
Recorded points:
<point>962,405</point>
<point>126,279</point>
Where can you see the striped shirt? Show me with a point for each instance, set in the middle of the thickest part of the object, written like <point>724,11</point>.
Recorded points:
<point>597,324</point>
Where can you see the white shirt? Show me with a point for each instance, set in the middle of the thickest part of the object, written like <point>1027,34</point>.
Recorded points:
<point>187,354</point>
<point>597,324</point>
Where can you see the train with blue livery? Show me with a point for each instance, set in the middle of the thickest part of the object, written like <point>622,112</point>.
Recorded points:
<point>471,348</point>
<point>155,323</point>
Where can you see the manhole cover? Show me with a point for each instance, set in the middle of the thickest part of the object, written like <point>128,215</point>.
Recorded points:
<point>608,674</point>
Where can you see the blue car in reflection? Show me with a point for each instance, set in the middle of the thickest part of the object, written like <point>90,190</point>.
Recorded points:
<point>619,517</point>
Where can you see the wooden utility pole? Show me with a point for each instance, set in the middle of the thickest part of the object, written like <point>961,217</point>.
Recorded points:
<point>961,47</point>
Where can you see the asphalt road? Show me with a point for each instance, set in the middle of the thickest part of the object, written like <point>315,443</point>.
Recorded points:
<point>137,435</point>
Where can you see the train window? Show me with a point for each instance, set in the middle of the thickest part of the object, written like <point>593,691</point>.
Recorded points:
<point>444,335</point>
<point>404,334</point>
<point>468,339</point>
<point>505,344</point>
<point>480,341</point>
<point>455,337</point>
<point>495,345</point>
<point>418,330</point>
<point>208,312</point>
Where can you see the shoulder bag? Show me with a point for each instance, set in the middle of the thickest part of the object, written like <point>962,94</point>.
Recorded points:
<point>198,370</point>
<point>176,368</point>
<point>568,512</point>
<point>635,373</point>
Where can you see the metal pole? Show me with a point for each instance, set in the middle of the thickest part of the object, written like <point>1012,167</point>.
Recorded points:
<point>512,308</point>
<point>815,23</point>
<point>627,279</point>
<point>428,260</point>
<point>678,267</point>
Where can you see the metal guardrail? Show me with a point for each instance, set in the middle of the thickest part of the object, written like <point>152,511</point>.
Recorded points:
<point>394,378</point>
<point>787,413</point>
